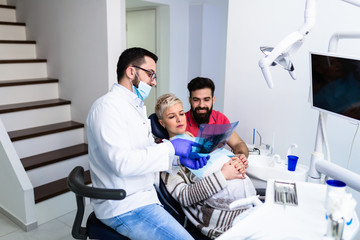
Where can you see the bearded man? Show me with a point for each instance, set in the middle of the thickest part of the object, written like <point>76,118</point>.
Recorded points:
<point>201,99</point>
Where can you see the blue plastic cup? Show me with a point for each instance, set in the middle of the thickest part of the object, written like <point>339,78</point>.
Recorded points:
<point>336,183</point>
<point>292,161</point>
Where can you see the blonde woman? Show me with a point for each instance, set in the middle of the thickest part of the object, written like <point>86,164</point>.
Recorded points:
<point>205,201</point>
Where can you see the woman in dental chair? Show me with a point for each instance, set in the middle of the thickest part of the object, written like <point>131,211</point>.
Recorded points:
<point>205,201</point>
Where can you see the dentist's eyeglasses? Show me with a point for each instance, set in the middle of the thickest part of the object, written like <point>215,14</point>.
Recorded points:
<point>151,74</point>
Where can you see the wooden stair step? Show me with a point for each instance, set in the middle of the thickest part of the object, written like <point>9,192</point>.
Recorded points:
<point>47,158</point>
<point>7,6</point>
<point>17,42</point>
<point>43,130</point>
<point>21,82</point>
<point>16,107</point>
<point>12,23</point>
<point>55,188</point>
<point>11,61</point>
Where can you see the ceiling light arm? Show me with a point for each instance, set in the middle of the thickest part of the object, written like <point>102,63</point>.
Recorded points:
<point>291,43</point>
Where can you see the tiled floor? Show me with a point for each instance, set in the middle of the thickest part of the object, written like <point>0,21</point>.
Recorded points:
<point>57,229</point>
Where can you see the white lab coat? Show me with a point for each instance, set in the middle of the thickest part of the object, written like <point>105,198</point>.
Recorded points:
<point>122,152</point>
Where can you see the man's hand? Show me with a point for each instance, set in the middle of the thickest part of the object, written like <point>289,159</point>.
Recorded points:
<point>183,148</point>
<point>242,158</point>
<point>233,169</point>
<point>194,164</point>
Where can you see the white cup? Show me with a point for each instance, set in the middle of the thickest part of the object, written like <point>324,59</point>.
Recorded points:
<point>276,158</point>
<point>336,186</point>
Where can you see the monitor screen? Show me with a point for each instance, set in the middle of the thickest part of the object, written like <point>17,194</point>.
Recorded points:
<point>335,84</point>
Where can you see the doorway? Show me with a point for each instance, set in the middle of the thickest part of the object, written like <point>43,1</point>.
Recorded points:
<point>141,32</point>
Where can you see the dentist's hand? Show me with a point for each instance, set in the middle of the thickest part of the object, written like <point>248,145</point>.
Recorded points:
<point>194,164</point>
<point>183,148</point>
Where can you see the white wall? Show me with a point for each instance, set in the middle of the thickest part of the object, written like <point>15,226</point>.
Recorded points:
<point>179,48</point>
<point>214,38</point>
<point>17,193</point>
<point>195,46</point>
<point>116,36</point>
<point>195,40</point>
<point>80,39</point>
<point>207,45</point>
<point>285,110</point>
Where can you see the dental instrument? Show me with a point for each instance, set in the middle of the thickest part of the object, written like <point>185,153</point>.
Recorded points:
<point>259,137</point>
<point>272,149</point>
<point>254,136</point>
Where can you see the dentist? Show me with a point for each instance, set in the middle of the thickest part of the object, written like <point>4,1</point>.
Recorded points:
<point>123,154</point>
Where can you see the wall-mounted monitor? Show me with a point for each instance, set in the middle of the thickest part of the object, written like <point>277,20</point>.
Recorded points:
<point>335,84</point>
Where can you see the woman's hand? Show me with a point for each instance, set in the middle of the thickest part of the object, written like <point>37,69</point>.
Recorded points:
<point>233,169</point>
<point>242,158</point>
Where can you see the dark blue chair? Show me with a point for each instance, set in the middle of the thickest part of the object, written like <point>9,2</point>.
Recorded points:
<point>157,130</point>
<point>94,229</point>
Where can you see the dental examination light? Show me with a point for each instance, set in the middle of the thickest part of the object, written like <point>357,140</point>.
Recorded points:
<point>281,53</point>
<point>283,60</point>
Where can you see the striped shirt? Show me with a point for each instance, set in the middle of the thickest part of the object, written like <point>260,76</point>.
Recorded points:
<point>191,193</point>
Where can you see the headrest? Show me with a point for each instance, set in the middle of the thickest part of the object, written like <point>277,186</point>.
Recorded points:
<point>158,130</point>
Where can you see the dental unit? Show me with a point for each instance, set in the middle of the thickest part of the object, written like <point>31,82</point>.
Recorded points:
<point>341,219</point>
<point>280,54</point>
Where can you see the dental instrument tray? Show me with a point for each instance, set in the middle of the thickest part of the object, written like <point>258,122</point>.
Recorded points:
<point>285,193</point>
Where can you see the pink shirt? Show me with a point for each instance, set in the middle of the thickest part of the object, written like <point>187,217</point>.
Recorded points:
<point>216,117</point>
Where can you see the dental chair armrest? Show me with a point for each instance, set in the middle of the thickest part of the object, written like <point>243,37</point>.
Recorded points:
<point>76,184</point>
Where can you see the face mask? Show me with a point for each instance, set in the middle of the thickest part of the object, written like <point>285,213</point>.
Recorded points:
<point>142,91</point>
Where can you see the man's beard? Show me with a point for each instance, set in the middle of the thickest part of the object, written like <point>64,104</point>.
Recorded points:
<point>201,117</point>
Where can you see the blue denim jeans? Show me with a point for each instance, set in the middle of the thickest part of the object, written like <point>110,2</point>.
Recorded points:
<point>148,222</point>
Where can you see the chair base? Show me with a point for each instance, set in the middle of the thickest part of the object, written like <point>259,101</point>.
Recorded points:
<point>97,230</point>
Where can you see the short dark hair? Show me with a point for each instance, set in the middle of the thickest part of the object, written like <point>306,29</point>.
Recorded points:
<point>201,83</point>
<point>132,56</point>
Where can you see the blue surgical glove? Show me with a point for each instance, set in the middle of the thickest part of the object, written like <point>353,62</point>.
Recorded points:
<point>194,164</point>
<point>183,147</point>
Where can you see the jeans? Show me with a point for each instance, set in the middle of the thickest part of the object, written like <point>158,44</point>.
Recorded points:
<point>148,222</point>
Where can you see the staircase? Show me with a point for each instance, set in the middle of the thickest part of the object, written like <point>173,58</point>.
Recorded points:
<point>48,143</point>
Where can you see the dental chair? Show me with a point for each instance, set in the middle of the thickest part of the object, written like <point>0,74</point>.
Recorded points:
<point>170,204</point>
<point>94,229</point>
